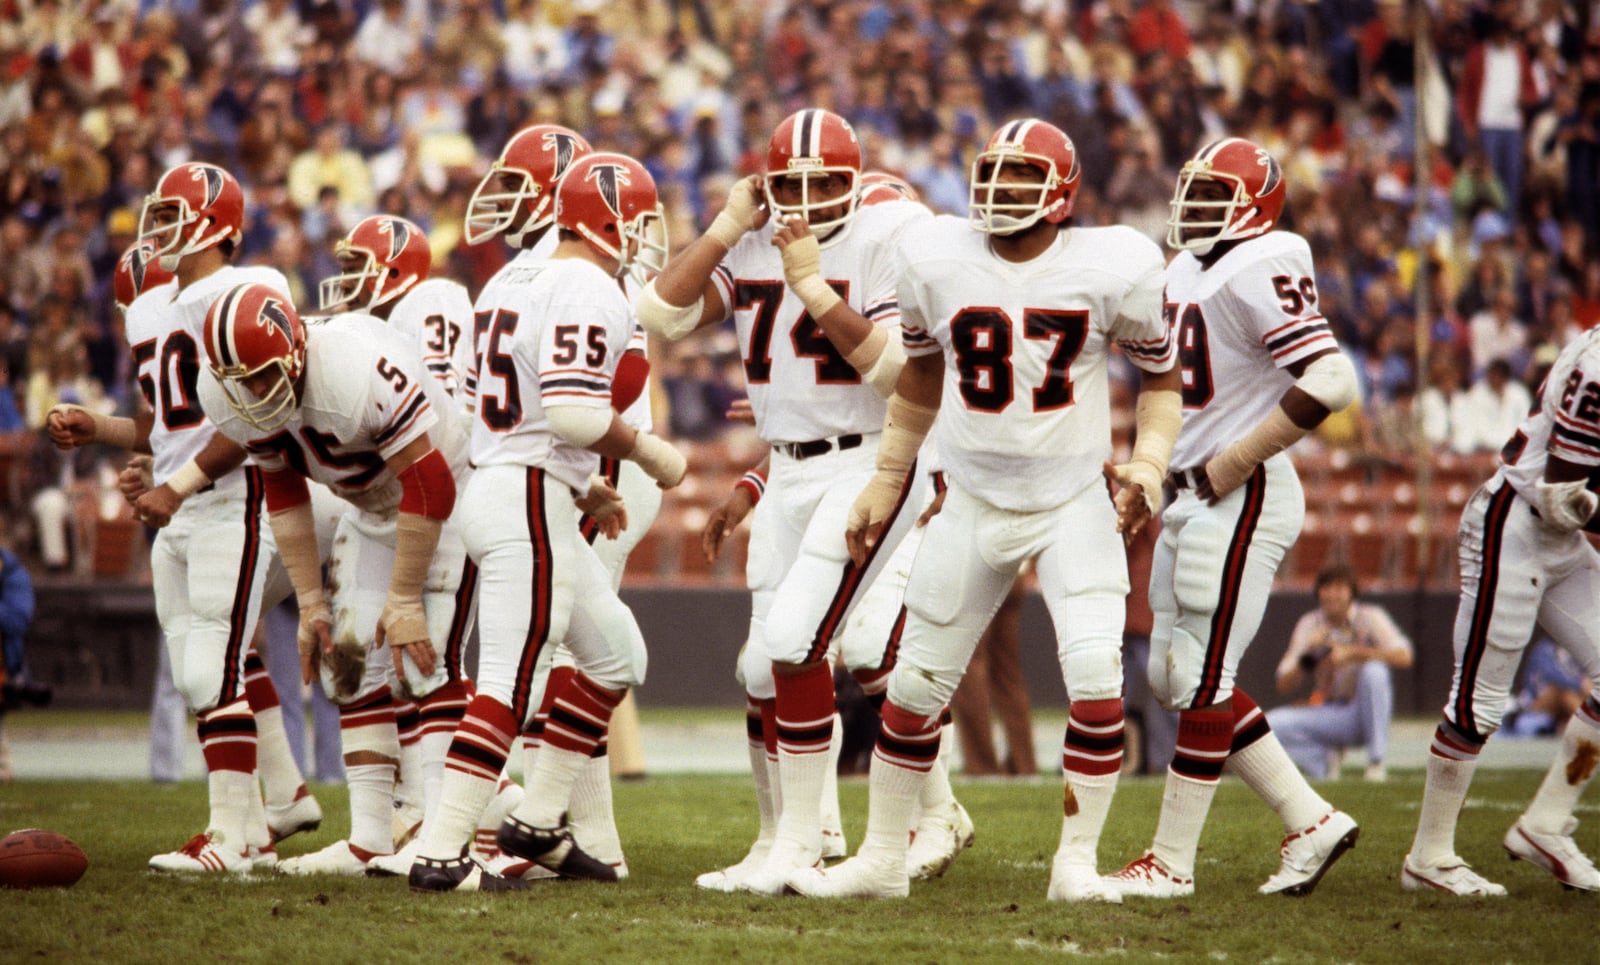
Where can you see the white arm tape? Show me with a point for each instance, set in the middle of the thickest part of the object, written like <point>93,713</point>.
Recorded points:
<point>189,479</point>
<point>1331,380</point>
<point>879,358</point>
<point>1566,506</point>
<point>580,425</point>
<point>669,321</point>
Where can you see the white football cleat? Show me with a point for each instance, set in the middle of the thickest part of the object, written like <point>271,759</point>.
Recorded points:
<point>1555,853</point>
<point>338,858</point>
<point>937,840</point>
<point>833,844</point>
<point>485,843</point>
<point>405,825</point>
<point>264,858</point>
<point>1147,877</point>
<point>770,876</point>
<point>730,878</point>
<point>1308,854</point>
<point>859,877</point>
<point>396,865</point>
<point>1453,878</point>
<point>301,814</point>
<point>1077,881</point>
<point>203,854</point>
<point>510,866</point>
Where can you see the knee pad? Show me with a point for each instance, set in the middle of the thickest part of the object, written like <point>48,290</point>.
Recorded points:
<point>1092,670</point>
<point>754,671</point>
<point>920,691</point>
<point>1179,678</point>
<point>1197,565</point>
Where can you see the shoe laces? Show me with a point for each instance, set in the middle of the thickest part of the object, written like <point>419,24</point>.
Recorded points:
<point>196,844</point>
<point>1144,868</point>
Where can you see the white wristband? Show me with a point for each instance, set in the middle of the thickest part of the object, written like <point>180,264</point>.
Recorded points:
<point>188,480</point>
<point>816,294</point>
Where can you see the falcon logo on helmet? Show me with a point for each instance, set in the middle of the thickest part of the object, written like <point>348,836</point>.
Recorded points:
<point>1249,203</point>
<point>814,172</point>
<point>516,196</point>
<point>1000,206</point>
<point>213,178</point>
<point>382,258</point>
<point>609,200</point>
<point>256,345</point>
<point>137,271</point>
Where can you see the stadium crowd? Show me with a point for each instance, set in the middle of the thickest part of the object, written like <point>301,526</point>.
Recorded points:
<point>329,110</point>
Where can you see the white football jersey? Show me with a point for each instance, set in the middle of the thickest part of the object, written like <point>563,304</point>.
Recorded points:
<point>549,332</point>
<point>1565,422</point>
<point>437,316</point>
<point>516,268</point>
<point>166,332</point>
<point>800,386</point>
<point>363,399</point>
<point>1239,324</point>
<point>1025,421</point>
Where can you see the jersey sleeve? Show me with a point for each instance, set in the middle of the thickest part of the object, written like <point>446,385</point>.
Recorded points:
<point>1139,327</point>
<point>575,357</point>
<point>1276,298</point>
<point>916,332</point>
<point>398,411</point>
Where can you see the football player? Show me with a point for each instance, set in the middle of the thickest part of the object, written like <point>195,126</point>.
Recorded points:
<point>547,343</point>
<point>1260,370</point>
<point>212,557</point>
<point>1524,560</point>
<point>1012,311</point>
<point>347,405</point>
<point>806,274</point>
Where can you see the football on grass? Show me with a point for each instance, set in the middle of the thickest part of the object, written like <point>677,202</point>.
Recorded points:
<point>40,859</point>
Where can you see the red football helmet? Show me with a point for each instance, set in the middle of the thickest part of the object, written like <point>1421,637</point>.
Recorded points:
<point>992,207</point>
<point>810,146</point>
<point>880,186</point>
<point>195,206</point>
<point>1256,192</point>
<point>382,258</point>
<point>610,200</point>
<point>137,271</point>
<point>257,349</point>
<point>515,197</point>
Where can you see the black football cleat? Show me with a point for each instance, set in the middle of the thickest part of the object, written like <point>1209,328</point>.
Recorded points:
<point>552,848</point>
<point>458,874</point>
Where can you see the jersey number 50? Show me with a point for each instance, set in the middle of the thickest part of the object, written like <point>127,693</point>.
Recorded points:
<point>981,338</point>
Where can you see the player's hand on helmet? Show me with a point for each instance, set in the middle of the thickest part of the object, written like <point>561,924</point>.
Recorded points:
<point>69,426</point>
<point>870,512</point>
<point>604,505</point>
<point>723,520</point>
<point>156,507</point>
<point>744,211</point>
<point>135,479</point>
<point>802,255</point>
<point>314,637</point>
<point>1138,494</point>
<point>403,628</point>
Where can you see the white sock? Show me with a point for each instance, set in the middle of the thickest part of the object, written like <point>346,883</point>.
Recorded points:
<point>1557,798</point>
<point>766,801</point>
<point>231,792</point>
<point>594,822</point>
<point>550,787</point>
<point>1265,767</point>
<point>1184,805</point>
<point>371,806</point>
<point>433,748</point>
<point>936,798</point>
<point>462,798</point>
<point>1442,797</point>
<point>1080,831</point>
<point>801,778</point>
<point>280,775</point>
<point>894,792</point>
<point>411,788</point>
<point>829,803</point>
<point>256,832</point>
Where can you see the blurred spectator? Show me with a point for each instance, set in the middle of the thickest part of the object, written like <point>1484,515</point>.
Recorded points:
<point>1497,333</point>
<point>1497,85</point>
<point>535,51</point>
<point>17,686</point>
<point>279,34</point>
<point>388,39</point>
<point>1495,406</point>
<point>697,396</point>
<point>328,163</point>
<point>1553,686</point>
<point>1348,650</point>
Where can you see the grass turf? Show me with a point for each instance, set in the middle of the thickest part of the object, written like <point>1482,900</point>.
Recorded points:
<point>990,907</point>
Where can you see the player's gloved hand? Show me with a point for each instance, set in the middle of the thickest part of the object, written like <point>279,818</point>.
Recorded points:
<point>403,627</point>
<point>155,508</point>
<point>744,211</point>
<point>870,512</point>
<point>660,461</point>
<point>70,426</point>
<point>314,636</point>
<point>1139,495</point>
<point>135,479</point>
<point>604,505</point>
<point>722,521</point>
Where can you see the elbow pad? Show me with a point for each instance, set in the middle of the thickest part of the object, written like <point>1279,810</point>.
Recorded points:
<point>671,322</point>
<point>1567,506</point>
<point>581,425</point>
<point>879,358</point>
<point>1331,380</point>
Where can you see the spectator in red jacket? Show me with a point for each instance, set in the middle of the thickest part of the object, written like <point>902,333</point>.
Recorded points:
<point>1497,86</point>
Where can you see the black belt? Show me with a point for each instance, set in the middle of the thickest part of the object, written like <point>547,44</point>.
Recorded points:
<point>1186,478</point>
<point>818,447</point>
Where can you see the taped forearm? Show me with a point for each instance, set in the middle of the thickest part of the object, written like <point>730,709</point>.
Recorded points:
<point>879,358</point>
<point>110,430</point>
<point>904,429</point>
<point>1233,465</point>
<point>1158,418</point>
<point>294,529</point>
<point>188,480</point>
<point>416,537</point>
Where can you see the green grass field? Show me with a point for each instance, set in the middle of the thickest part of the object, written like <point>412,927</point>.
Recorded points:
<point>990,907</point>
